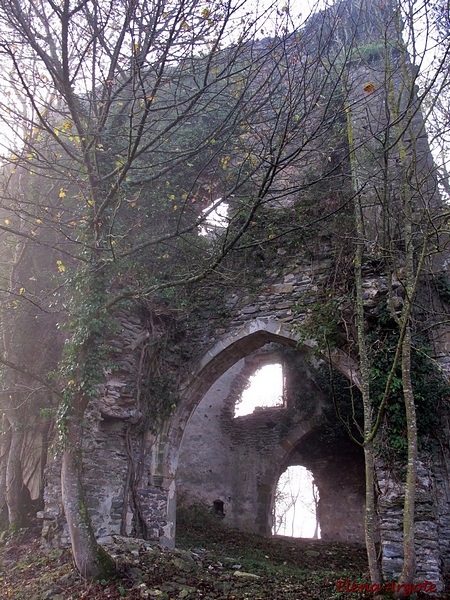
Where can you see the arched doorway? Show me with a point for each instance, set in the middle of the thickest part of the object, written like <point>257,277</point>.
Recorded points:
<point>237,461</point>
<point>296,504</point>
<point>233,454</point>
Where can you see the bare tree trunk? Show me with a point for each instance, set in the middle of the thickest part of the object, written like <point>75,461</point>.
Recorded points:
<point>370,515</point>
<point>293,521</point>
<point>369,431</point>
<point>92,561</point>
<point>4,453</point>
<point>44,454</point>
<point>14,480</point>
<point>316,510</point>
<point>409,553</point>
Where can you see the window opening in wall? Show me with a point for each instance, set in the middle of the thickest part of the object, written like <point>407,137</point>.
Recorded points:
<point>296,501</point>
<point>216,218</point>
<point>265,388</point>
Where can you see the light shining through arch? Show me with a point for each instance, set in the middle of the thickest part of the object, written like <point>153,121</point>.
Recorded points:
<point>296,502</point>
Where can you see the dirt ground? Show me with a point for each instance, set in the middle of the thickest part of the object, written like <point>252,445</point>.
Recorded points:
<point>211,563</point>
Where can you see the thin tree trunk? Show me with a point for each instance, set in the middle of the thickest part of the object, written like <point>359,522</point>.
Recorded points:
<point>370,515</point>
<point>409,554</point>
<point>44,455</point>
<point>14,479</point>
<point>293,521</point>
<point>316,509</point>
<point>369,431</point>
<point>4,454</point>
<point>411,279</point>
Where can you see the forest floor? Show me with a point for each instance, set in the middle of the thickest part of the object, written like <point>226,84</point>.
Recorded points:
<point>211,563</point>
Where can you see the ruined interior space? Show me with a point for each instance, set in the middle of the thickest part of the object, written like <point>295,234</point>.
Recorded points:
<point>231,464</point>
<point>223,198</point>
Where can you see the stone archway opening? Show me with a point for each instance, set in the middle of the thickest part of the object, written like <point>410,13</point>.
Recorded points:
<point>209,454</point>
<point>236,455</point>
<point>296,504</point>
<point>265,389</point>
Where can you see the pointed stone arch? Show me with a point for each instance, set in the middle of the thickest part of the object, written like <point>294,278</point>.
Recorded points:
<point>339,475</point>
<point>225,353</point>
<point>218,359</point>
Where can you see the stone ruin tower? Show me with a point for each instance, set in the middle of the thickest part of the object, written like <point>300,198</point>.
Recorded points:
<point>138,463</point>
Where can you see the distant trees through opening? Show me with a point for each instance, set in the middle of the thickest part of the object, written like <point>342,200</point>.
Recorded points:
<point>265,389</point>
<point>296,501</point>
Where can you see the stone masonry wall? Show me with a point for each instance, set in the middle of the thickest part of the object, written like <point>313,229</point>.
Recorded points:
<point>427,524</point>
<point>291,281</point>
<point>130,472</point>
<point>113,441</point>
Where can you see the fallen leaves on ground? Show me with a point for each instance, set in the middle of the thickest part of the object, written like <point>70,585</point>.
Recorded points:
<point>225,565</point>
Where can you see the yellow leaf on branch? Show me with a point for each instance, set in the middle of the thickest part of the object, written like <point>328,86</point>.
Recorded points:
<point>61,267</point>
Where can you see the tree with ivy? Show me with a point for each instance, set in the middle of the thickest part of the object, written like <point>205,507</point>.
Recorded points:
<point>396,232</point>
<point>400,235</point>
<point>100,100</point>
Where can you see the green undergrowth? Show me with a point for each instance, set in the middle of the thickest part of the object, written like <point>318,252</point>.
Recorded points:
<point>289,568</point>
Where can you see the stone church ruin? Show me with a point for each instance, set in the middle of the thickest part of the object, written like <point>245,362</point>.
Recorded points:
<point>162,433</point>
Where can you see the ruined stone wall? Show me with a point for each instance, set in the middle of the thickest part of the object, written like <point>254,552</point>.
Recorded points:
<point>391,510</point>
<point>116,451</point>
<point>209,455</point>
